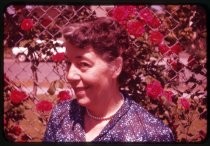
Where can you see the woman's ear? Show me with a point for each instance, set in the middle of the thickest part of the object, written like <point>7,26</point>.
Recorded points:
<point>116,68</point>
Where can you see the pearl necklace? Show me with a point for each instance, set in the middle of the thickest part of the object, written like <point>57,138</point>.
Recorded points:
<point>101,118</point>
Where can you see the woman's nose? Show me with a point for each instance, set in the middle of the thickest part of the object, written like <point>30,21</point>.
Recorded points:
<point>73,74</point>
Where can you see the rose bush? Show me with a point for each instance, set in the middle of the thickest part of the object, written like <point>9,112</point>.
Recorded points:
<point>21,111</point>
<point>165,76</point>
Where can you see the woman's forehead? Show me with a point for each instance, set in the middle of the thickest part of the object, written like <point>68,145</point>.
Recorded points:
<point>74,52</point>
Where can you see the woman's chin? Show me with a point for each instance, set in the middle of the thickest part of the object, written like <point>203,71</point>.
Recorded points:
<point>82,100</point>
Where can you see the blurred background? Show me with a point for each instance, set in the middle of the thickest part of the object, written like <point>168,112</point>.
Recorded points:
<point>164,67</point>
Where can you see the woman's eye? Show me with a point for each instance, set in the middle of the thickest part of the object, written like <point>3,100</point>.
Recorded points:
<point>84,64</point>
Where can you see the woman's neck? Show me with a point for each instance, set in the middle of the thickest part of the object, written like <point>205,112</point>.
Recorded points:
<point>108,105</point>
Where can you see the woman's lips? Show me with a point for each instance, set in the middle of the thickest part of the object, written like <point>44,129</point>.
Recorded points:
<point>80,90</point>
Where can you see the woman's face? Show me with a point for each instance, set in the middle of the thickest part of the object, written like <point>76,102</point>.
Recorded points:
<point>89,75</point>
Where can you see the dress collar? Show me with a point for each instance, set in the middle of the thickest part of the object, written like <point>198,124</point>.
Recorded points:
<point>77,113</point>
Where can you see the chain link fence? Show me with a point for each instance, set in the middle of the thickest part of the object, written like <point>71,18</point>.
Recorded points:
<point>167,44</point>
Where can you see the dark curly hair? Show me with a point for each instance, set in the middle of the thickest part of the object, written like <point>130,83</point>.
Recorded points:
<point>105,35</point>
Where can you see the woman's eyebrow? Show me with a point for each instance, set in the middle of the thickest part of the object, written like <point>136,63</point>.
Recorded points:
<point>83,57</point>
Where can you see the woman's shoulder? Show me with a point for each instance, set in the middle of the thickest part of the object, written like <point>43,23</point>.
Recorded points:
<point>142,114</point>
<point>154,127</point>
<point>64,107</point>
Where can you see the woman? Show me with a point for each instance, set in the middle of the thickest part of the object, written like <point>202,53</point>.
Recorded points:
<point>100,111</point>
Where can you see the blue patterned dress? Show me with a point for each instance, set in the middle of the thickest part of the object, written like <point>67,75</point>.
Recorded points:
<point>132,123</point>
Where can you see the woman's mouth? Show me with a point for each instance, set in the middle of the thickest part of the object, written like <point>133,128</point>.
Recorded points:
<point>80,90</point>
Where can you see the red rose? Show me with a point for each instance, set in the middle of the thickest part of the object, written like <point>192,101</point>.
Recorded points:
<point>168,95</point>
<point>177,48</point>
<point>136,28</point>
<point>16,130</point>
<point>121,13</point>
<point>154,89</point>
<point>17,97</point>
<point>63,95</point>
<point>27,24</point>
<point>156,37</point>
<point>58,57</point>
<point>163,48</point>
<point>146,15</point>
<point>154,23</point>
<point>185,103</point>
<point>44,106</point>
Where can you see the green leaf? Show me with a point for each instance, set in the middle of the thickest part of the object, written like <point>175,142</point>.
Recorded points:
<point>198,125</point>
<point>7,106</point>
<point>59,84</point>
<point>24,42</point>
<point>51,89</point>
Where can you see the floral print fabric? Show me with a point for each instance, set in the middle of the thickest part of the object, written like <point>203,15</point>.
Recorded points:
<point>132,123</point>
